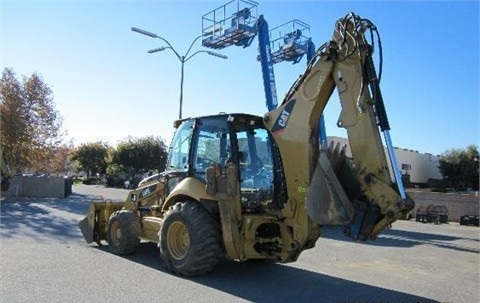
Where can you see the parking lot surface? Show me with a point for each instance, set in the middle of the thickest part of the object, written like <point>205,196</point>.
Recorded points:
<point>44,258</point>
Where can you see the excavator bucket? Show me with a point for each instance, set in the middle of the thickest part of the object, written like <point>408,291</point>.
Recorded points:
<point>327,203</point>
<point>94,225</point>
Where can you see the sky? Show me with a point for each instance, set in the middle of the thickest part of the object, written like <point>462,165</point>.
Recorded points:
<point>107,87</point>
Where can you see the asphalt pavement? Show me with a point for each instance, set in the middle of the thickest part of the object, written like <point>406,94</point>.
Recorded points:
<point>44,258</point>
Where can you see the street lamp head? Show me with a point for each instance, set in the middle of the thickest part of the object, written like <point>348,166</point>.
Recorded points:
<point>157,49</point>
<point>182,59</point>
<point>144,32</point>
<point>217,55</point>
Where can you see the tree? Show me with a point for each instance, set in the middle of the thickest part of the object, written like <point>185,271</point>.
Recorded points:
<point>31,127</point>
<point>140,155</point>
<point>90,157</point>
<point>460,167</point>
<point>58,160</point>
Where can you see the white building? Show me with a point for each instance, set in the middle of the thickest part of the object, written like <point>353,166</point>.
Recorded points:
<point>421,167</point>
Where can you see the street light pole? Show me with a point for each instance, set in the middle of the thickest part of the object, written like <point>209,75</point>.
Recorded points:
<point>181,88</point>
<point>182,59</point>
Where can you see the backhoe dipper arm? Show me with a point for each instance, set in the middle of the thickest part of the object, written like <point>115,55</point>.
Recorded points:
<point>361,196</point>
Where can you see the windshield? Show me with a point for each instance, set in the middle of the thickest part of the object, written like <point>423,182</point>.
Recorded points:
<point>179,148</point>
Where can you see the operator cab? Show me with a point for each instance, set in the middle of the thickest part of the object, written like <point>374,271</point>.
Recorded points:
<point>236,138</point>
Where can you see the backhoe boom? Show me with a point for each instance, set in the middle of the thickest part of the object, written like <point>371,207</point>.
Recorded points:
<point>361,196</point>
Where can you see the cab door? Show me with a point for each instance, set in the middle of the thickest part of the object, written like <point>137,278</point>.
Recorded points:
<point>211,145</point>
<point>256,169</point>
<point>179,155</point>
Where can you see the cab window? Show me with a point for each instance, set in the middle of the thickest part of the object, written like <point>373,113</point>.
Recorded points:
<point>178,156</point>
<point>213,146</point>
<point>255,159</point>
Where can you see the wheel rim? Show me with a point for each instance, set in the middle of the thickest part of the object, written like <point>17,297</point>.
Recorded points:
<point>115,233</point>
<point>178,240</point>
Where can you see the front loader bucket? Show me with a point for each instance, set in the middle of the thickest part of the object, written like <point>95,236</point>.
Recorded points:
<point>94,225</point>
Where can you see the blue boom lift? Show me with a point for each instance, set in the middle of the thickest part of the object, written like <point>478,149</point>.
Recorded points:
<point>290,42</point>
<point>238,23</point>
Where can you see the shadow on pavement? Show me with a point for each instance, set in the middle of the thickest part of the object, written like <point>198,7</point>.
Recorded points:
<point>258,281</point>
<point>404,238</point>
<point>43,218</point>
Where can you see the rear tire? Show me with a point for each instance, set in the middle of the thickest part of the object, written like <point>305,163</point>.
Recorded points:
<point>189,239</point>
<point>123,232</point>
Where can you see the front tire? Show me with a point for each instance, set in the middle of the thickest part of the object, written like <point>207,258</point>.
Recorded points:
<point>189,239</point>
<point>123,232</point>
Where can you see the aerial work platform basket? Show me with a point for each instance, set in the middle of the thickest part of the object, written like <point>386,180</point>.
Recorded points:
<point>290,41</point>
<point>231,24</point>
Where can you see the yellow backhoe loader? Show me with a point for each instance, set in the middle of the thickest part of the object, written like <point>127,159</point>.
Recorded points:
<point>250,187</point>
